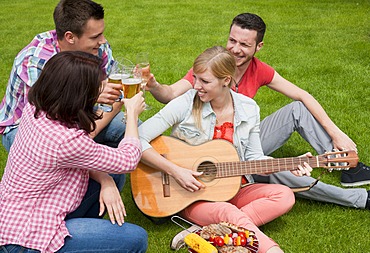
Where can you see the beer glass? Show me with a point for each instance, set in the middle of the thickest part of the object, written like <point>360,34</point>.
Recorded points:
<point>113,77</point>
<point>131,82</point>
<point>142,60</point>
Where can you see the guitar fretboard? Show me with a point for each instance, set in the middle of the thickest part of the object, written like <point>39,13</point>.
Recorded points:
<point>230,169</point>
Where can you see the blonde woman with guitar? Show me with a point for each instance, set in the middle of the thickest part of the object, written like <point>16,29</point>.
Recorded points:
<point>212,111</point>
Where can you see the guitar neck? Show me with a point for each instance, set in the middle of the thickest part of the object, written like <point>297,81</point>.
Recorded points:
<point>230,169</point>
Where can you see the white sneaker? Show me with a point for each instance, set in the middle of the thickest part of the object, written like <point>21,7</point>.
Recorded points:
<point>178,241</point>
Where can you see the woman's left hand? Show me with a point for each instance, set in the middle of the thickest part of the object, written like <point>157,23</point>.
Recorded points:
<point>110,197</point>
<point>303,170</point>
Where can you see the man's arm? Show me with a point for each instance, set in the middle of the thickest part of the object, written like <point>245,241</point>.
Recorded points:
<point>340,139</point>
<point>165,93</point>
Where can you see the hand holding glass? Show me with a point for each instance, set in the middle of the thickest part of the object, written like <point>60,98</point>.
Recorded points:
<point>114,77</point>
<point>131,82</point>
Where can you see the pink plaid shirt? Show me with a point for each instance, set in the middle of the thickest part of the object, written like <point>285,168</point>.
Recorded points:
<point>46,177</point>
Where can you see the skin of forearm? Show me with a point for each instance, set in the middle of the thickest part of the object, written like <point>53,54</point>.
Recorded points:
<point>151,158</point>
<point>100,177</point>
<point>162,93</point>
<point>131,125</point>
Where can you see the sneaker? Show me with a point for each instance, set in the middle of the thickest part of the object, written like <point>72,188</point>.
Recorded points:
<point>178,241</point>
<point>360,175</point>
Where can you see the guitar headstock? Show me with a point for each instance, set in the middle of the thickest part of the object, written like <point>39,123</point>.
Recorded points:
<point>338,160</point>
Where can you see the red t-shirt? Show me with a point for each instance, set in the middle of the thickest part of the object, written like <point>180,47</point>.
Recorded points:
<point>257,74</point>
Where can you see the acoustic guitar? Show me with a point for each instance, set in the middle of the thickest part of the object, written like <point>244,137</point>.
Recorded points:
<point>158,195</point>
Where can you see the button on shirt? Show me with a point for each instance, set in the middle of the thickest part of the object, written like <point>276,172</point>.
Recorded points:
<point>46,177</point>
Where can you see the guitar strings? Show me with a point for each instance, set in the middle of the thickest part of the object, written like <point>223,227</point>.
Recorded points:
<point>260,166</point>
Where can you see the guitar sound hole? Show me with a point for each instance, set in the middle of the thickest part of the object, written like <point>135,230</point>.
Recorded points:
<point>209,171</point>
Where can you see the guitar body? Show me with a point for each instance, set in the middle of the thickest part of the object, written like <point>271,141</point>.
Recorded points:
<point>159,195</point>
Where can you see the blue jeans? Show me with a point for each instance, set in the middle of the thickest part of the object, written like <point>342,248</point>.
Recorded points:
<point>112,134</point>
<point>12,248</point>
<point>96,235</point>
<point>8,138</point>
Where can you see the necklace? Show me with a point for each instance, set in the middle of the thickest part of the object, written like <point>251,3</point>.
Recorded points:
<point>220,116</point>
<point>237,84</point>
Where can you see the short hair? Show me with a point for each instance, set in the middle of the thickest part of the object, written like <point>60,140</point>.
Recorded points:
<point>251,21</point>
<point>72,15</point>
<point>68,88</point>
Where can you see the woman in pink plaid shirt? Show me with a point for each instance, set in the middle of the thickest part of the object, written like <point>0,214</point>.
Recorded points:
<point>52,158</point>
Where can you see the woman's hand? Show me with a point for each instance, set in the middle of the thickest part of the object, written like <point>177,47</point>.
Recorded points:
<point>110,197</point>
<point>304,170</point>
<point>135,105</point>
<point>186,179</point>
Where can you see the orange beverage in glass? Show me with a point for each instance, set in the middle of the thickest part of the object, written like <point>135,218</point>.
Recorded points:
<point>131,86</point>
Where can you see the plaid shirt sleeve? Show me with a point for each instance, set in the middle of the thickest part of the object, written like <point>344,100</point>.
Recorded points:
<point>82,152</point>
<point>25,71</point>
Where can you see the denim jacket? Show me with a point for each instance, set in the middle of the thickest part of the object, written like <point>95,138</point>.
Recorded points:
<point>178,115</point>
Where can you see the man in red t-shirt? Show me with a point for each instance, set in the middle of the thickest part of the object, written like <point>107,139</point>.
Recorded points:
<point>305,115</point>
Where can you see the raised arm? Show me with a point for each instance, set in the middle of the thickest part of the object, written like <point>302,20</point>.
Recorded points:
<point>340,139</point>
<point>165,93</point>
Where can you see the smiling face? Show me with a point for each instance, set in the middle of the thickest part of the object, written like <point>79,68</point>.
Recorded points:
<point>242,44</point>
<point>210,87</point>
<point>92,37</point>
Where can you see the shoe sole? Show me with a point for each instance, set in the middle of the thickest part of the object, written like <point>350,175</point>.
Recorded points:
<point>355,184</point>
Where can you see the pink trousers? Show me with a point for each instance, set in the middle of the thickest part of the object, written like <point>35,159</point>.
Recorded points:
<point>253,206</point>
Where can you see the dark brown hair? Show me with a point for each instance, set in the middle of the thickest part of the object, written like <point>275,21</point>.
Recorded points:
<point>251,21</point>
<point>68,88</point>
<point>72,15</point>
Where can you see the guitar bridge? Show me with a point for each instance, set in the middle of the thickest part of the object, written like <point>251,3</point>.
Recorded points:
<point>166,184</point>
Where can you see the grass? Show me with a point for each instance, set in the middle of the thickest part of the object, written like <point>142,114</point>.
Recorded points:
<point>322,46</point>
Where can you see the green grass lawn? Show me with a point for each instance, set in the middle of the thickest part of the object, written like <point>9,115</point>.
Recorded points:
<point>322,46</point>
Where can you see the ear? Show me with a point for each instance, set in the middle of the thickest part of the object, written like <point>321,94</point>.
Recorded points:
<point>227,81</point>
<point>69,37</point>
<point>259,46</point>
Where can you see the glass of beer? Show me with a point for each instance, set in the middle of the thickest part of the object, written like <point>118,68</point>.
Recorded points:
<point>131,81</point>
<point>113,77</point>
<point>142,60</point>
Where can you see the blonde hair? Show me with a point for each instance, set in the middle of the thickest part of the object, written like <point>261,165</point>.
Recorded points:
<point>221,64</point>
